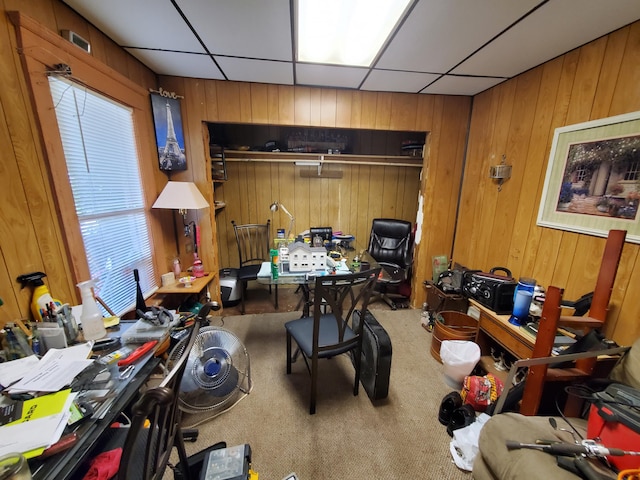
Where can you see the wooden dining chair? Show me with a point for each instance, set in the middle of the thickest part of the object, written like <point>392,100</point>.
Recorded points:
<point>254,242</point>
<point>330,331</point>
<point>147,448</point>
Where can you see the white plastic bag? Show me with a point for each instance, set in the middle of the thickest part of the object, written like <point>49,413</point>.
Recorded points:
<point>458,357</point>
<point>464,445</point>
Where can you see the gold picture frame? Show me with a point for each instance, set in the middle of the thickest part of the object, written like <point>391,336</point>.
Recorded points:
<point>592,184</point>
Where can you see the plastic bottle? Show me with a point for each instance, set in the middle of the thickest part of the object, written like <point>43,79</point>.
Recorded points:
<point>274,263</point>
<point>41,297</point>
<point>36,345</point>
<point>91,318</point>
<point>198,268</point>
<point>177,268</point>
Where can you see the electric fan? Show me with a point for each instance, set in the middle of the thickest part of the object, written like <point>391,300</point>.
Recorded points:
<point>217,375</point>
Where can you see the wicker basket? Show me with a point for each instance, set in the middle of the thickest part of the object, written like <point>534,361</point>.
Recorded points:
<point>454,326</point>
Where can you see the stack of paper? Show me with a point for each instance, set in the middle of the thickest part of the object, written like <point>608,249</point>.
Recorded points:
<point>40,425</point>
<point>55,370</point>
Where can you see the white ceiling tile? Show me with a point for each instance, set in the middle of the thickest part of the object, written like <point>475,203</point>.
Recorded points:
<point>262,71</point>
<point>454,85</point>
<point>329,75</point>
<point>252,40</point>
<point>178,64</point>
<point>552,30</point>
<point>441,33</point>
<point>242,28</point>
<point>392,81</point>
<point>141,23</point>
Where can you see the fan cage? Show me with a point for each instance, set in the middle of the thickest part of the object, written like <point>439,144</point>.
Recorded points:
<point>218,371</point>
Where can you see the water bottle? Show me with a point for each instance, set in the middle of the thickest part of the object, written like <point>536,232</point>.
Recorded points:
<point>274,263</point>
<point>522,298</point>
<point>525,283</point>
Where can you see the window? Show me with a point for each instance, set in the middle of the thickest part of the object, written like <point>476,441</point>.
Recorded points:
<point>99,145</point>
<point>633,171</point>
<point>582,174</point>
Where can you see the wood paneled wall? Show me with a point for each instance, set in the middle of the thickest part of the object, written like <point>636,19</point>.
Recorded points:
<point>364,192</point>
<point>31,235</point>
<point>518,119</point>
<point>348,204</point>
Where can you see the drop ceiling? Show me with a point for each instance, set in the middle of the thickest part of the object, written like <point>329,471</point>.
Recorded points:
<point>450,47</point>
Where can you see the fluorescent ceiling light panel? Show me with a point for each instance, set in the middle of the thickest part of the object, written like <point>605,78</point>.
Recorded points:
<point>345,32</point>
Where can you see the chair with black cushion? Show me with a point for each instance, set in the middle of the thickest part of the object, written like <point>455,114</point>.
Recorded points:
<point>147,449</point>
<point>254,242</point>
<point>391,245</point>
<point>330,331</point>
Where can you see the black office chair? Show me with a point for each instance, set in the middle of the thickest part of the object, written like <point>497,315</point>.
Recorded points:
<point>254,242</point>
<point>391,245</point>
<point>325,335</point>
<point>146,450</point>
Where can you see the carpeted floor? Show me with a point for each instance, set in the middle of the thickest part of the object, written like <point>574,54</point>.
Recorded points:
<point>349,437</point>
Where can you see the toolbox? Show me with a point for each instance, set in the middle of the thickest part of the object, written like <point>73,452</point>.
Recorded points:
<point>614,419</point>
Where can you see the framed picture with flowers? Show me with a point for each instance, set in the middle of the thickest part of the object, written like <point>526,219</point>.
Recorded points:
<point>592,184</point>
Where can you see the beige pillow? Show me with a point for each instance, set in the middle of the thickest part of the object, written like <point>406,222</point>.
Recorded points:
<point>627,371</point>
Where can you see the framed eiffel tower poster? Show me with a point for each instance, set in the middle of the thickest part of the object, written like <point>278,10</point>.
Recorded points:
<point>169,134</point>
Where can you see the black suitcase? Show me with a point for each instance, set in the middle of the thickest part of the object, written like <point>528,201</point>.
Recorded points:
<point>375,366</point>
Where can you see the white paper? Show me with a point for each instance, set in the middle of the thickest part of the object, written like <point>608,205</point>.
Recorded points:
<point>56,369</point>
<point>14,370</point>
<point>30,435</point>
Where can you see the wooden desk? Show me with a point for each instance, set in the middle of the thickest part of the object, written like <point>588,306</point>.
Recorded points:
<point>496,328</point>
<point>65,465</point>
<point>199,284</point>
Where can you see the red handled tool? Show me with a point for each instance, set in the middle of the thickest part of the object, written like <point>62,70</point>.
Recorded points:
<point>138,353</point>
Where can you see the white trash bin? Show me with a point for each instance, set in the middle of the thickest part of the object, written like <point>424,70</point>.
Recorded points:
<point>458,357</point>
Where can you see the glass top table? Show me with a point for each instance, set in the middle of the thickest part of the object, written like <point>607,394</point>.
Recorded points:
<point>346,260</point>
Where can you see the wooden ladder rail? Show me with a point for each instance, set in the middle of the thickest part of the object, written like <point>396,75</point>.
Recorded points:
<point>551,320</point>
<point>547,329</point>
<point>601,295</point>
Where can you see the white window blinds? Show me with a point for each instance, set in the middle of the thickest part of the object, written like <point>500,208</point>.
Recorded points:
<point>98,138</point>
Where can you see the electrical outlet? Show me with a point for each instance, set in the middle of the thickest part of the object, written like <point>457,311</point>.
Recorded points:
<point>188,247</point>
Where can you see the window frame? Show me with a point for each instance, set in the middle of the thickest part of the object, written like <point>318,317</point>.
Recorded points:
<point>41,51</point>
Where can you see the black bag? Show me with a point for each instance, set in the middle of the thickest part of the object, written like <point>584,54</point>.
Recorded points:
<point>375,366</point>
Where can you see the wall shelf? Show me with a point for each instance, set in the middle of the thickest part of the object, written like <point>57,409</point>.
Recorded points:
<point>347,146</point>
<point>343,158</point>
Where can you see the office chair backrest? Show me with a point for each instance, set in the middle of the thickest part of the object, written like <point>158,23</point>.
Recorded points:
<point>147,450</point>
<point>253,242</point>
<point>390,241</point>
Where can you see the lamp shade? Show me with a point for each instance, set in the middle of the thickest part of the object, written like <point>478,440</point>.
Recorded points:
<point>181,196</point>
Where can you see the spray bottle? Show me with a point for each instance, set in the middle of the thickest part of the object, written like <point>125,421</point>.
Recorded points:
<point>91,318</point>
<point>41,297</point>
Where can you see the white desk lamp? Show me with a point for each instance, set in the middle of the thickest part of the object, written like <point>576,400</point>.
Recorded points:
<point>182,196</point>
<point>274,208</point>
